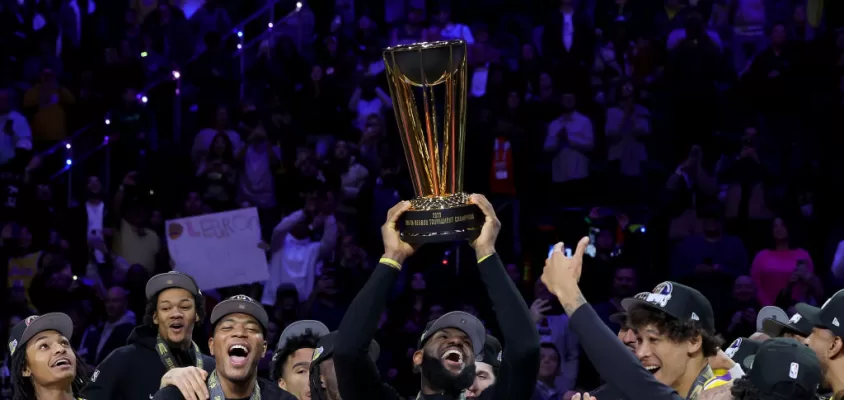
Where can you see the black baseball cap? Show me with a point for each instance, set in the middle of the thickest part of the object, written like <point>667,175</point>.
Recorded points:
<point>35,324</point>
<point>468,323</point>
<point>619,318</point>
<point>172,279</point>
<point>299,328</point>
<point>741,349</point>
<point>492,352</point>
<point>825,317</point>
<point>325,349</point>
<point>781,366</point>
<point>240,304</point>
<point>677,300</point>
<point>796,325</point>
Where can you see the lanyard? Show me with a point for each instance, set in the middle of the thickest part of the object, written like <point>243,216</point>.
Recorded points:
<point>167,357</point>
<point>701,380</point>
<point>216,390</point>
<point>501,153</point>
<point>462,396</point>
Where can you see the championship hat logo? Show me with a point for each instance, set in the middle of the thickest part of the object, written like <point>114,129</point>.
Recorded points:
<point>731,351</point>
<point>795,318</point>
<point>29,319</point>
<point>659,296</point>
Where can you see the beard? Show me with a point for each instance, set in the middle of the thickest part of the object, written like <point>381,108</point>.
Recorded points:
<point>441,378</point>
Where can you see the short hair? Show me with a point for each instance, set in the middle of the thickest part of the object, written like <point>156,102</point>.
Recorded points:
<point>307,340</point>
<point>676,330</point>
<point>152,307</point>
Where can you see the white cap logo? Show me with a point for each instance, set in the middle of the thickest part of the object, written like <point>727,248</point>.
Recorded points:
<point>792,372</point>
<point>695,317</point>
<point>731,351</point>
<point>795,318</point>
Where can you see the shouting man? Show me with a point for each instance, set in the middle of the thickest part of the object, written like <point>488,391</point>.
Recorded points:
<point>445,357</point>
<point>237,344</point>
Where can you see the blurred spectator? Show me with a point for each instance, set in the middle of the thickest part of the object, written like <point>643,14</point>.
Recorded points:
<point>102,338</point>
<point>743,311</point>
<point>553,324</point>
<point>774,269</point>
<point>47,101</point>
<point>16,133</point>
<point>570,137</point>
<point>211,17</point>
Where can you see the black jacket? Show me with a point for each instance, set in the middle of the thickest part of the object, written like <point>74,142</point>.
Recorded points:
<point>269,391</point>
<point>134,371</point>
<point>358,376</point>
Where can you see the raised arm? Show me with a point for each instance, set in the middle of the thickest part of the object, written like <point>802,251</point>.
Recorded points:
<point>616,364</point>
<point>520,360</point>
<point>357,374</point>
<point>283,227</point>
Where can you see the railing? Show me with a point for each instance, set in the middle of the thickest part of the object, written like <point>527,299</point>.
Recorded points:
<point>84,143</point>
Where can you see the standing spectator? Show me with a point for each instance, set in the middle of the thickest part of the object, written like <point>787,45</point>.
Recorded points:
<point>368,100</point>
<point>295,256</point>
<point>452,30</point>
<point>625,124</point>
<point>15,136</point>
<point>203,140</point>
<point>86,221</point>
<point>569,139</point>
<point>773,268</point>
<point>218,174</point>
<point>743,309</point>
<point>549,368</point>
<point>133,240</point>
<point>48,101</point>
<point>712,251</point>
<point>259,158</point>
<point>101,339</point>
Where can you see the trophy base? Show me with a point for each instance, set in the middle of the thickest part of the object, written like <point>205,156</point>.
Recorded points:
<point>449,222</point>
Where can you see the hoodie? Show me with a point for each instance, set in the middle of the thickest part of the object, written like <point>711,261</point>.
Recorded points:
<point>134,371</point>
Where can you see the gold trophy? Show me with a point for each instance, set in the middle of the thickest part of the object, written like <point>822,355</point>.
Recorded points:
<point>428,84</point>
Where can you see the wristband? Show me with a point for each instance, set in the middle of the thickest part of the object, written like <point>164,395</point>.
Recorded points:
<point>482,259</point>
<point>392,263</point>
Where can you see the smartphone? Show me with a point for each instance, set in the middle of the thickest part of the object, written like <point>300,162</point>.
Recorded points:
<point>568,251</point>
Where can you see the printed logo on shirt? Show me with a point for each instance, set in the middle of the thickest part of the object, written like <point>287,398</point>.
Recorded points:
<point>318,352</point>
<point>731,351</point>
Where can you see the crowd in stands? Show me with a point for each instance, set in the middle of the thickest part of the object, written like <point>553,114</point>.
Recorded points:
<point>693,140</point>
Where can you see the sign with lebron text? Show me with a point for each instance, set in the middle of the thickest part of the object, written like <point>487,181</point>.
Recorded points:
<point>219,250</point>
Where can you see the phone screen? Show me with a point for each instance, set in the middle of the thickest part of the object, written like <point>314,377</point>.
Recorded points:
<point>568,252</point>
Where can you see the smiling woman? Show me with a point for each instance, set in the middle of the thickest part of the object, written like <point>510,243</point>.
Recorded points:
<point>43,364</point>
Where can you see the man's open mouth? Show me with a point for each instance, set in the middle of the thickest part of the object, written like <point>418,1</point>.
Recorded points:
<point>452,356</point>
<point>62,362</point>
<point>652,368</point>
<point>238,354</point>
<point>177,326</point>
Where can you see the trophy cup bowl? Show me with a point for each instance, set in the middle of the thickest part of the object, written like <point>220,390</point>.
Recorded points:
<point>428,86</point>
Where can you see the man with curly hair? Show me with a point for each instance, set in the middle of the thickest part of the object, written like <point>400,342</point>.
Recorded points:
<point>676,327</point>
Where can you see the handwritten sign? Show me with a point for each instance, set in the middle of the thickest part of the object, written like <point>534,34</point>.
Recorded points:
<point>219,250</point>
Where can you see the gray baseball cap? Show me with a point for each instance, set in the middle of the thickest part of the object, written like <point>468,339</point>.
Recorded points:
<point>240,304</point>
<point>35,324</point>
<point>169,280</point>
<point>769,313</point>
<point>468,323</point>
<point>299,328</point>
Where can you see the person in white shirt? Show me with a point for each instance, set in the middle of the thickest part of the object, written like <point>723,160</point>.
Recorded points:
<point>569,139</point>
<point>14,130</point>
<point>295,257</point>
